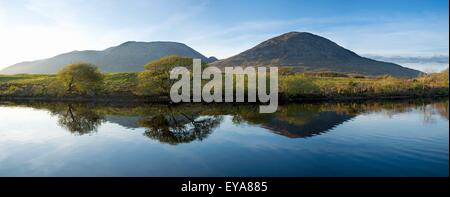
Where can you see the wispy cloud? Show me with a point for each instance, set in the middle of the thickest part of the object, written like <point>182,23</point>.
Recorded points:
<point>424,63</point>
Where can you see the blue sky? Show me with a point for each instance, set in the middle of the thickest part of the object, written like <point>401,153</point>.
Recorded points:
<point>34,29</point>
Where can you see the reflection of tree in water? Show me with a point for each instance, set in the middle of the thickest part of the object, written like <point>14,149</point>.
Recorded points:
<point>179,128</point>
<point>442,108</point>
<point>427,114</point>
<point>79,119</point>
<point>188,122</point>
<point>430,110</point>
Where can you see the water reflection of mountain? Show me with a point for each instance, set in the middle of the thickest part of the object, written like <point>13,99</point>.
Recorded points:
<point>130,122</point>
<point>316,125</point>
<point>190,122</point>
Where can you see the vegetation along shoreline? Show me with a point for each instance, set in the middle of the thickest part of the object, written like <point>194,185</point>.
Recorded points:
<point>85,83</point>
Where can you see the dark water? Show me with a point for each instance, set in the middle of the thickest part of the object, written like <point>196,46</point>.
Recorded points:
<point>407,138</point>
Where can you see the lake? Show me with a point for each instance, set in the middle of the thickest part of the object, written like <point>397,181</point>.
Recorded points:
<point>396,138</point>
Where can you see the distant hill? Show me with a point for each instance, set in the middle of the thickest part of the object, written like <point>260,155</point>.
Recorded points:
<point>309,52</point>
<point>127,57</point>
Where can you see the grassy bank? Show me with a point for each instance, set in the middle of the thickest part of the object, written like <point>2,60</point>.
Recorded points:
<point>26,85</point>
<point>317,86</point>
<point>124,86</point>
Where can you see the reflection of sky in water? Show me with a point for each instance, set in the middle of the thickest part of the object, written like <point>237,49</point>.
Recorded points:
<point>371,144</point>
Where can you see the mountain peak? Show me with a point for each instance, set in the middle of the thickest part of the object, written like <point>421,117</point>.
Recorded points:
<point>152,42</point>
<point>294,34</point>
<point>305,51</point>
<point>299,47</point>
<point>300,38</point>
<point>148,44</point>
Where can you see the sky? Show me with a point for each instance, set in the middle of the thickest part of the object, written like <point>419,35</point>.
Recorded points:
<point>36,29</point>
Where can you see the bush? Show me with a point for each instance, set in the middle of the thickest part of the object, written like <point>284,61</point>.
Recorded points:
<point>81,78</point>
<point>155,79</point>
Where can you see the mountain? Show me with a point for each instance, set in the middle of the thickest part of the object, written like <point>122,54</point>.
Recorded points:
<point>300,50</point>
<point>127,57</point>
<point>308,52</point>
<point>212,59</point>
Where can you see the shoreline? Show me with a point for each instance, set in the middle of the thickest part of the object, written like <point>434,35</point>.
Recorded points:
<point>166,100</point>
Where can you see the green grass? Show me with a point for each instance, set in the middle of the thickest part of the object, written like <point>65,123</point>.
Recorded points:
<point>317,86</point>
<point>120,82</point>
<point>27,79</point>
<point>291,85</point>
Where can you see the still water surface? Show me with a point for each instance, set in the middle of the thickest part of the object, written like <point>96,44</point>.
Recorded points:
<point>402,138</point>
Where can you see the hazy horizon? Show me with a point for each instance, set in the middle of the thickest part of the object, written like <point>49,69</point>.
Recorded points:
<point>34,30</point>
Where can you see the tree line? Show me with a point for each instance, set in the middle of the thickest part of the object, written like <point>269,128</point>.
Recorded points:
<point>85,79</point>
